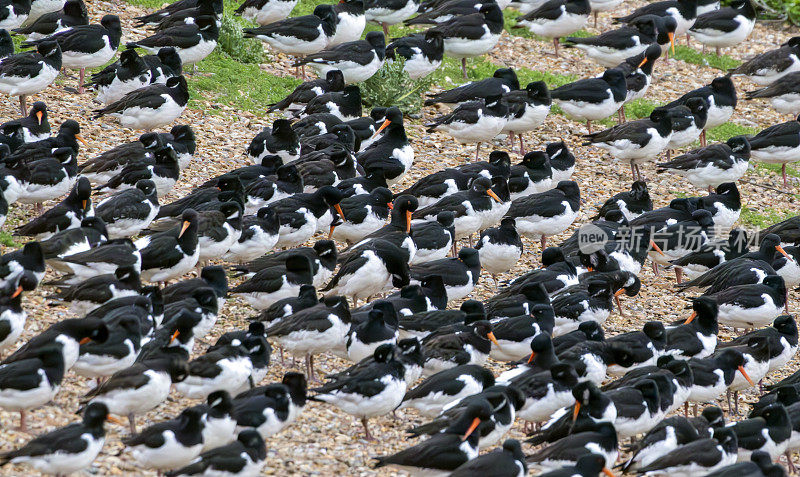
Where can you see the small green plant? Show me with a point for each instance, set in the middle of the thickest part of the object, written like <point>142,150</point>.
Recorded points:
<point>391,86</point>
<point>234,44</point>
<point>690,55</point>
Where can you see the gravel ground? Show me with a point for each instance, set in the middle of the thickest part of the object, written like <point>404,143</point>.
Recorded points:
<point>325,441</point>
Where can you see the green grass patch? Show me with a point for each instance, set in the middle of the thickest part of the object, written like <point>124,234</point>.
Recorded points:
<point>7,240</point>
<point>239,85</point>
<point>690,55</point>
<point>791,169</point>
<point>764,218</point>
<point>726,131</point>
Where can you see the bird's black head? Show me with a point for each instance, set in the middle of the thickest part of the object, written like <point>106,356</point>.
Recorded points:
<point>206,297</point>
<point>655,330</point>
<point>446,218</point>
<point>184,134</point>
<point>538,92</point>
<point>147,187</point>
<point>591,464</point>
<point>727,439</point>
<point>377,40</point>
<point>129,59</point>
<point>6,43</point>
<point>76,9</point>
<point>470,257</point>
<point>84,330</point>
<point>585,393</point>
<point>785,325</point>
<point>682,371</point>
<point>171,59</point>
<point>95,415</point>
<point>95,223</point>
<point>50,50</point>
<point>535,292</point>
<point>474,309</point>
<point>723,85</point>
<point>220,401</point>
<point>552,255</point>
<point>208,25</point>
<point>535,159</point>
<point>384,352</point>
<point>251,439</point>
<point>739,144</point>
<point>508,75</point>
<point>297,384</point>
<point>335,80</point>
<point>787,395</point>
<point>592,330</point>
<point>177,82</point>
<point>214,276</point>
<point>714,416</point>
<point>112,24</point>
<point>776,283</point>
<point>704,314</point>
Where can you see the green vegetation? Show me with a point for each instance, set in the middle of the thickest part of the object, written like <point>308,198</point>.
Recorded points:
<point>391,86</point>
<point>6,239</point>
<point>781,9</point>
<point>243,86</point>
<point>765,218</point>
<point>234,44</point>
<point>726,131</point>
<point>689,55</point>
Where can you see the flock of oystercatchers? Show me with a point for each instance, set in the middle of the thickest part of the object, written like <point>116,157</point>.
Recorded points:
<point>376,291</point>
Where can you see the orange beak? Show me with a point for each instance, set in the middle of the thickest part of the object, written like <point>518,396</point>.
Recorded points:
<point>475,423</point>
<point>656,247</point>
<point>741,370</point>
<point>113,419</point>
<point>174,335</point>
<point>183,228</point>
<point>491,194</point>
<point>39,115</point>
<point>84,340</point>
<point>576,411</point>
<point>338,209</point>
<point>691,318</point>
<point>390,206</point>
<point>408,221</point>
<point>783,252</point>
<point>608,472</point>
<point>82,140</point>
<point>17,292</point>
<point>671,36</point>
<point>619,292</point>
<point>533,355</point>
<point>491,337</point>
<point>589,269</point>
<point>330,232</point>
<point>386,122</point>
<point>642,63</point>
<point>83,203</point>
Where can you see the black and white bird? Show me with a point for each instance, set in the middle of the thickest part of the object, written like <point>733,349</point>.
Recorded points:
<point>305,92</point>
<point>33,127</point>
<point>32,380</point>
<point>170,254</point>
<point>140,387</point>
<point>547,213</point>
<point>29,258</point>
<point>272,284</point>
<point>469,36</point>
<point>86,46</point>
<point>357,60</point>
<point>710,166</point>
<point>264,12</point>
<point>65,215</point>
<point>437,391</point>
<point>446,450</point>
<point>460,275</point>
<point>500,247</point>
<point>527,109</point>
<point>422,53</point>
<point>369,270</point>
<point>725,27</point>
<point>703,455</point>
<point>592,99</point>
<point>72,14</point>
<point>612,47</point>
<point>510,460</point>
<point>298,36</point>
<point>279,140</point>
<point>636,141</point>
<point>556,18</point>
<point>245,456</point>
<point>15,13</point>
<point>503,80</point>
<point>768,67</point>
<point>720,96</point>
<point>168,444</point>
<point>344,105</point>
<point>129,211</point>
<point>120,78</point>
<point>389,12</point>
<point>474,121</point>
<point>684,12</point>
<point>192,41</point>
<point>30,72</point>
<point>375,390</point>
<point>164,65</point>
<point>12,315</point>
<point>776,145</point>
<point>150,107</point>
<point>65,450</point>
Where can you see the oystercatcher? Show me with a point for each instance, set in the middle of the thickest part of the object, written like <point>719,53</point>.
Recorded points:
<point>725,27</point>
<point>768,67</point>
<point>357,60</point>
<point>612,47</point>
<point>193,42</point>
<point>503,80</point>
<point>703,455</point>
<point>305,92</point>
<point>422,53</point>
<point>264,12</point>
<point>777,145</point>
<point>720,96</point>
<point>556,18</point>
<point>527,110</point>
<point>683,11</point>
<point>547,213</point>
<point>168,444</point>
<point>708,167</point>
<point>245,456</point>
<point>66,215</point>
<point>30,72</point>
<point>592,99</point>
<point>120,78</point>
<point>72,14</point>
<point>150,107</point>
<point>474,121</point>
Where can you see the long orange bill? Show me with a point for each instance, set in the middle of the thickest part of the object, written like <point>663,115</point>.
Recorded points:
<point>83,203</point>
<point>589,269</point>
<point>330,232</point>
<point>390,206</point>
<point>39,116</point>
<point>671,36</point>
<point>183,228</point>
<point>744,373</point>
<point>338,209</point>
<point>82,140</point>
<point>576,411</point>
<point>491,337</point>
<point>383,126</point>
<point>619,292</point>
<point>656,247</point>
<point>491,194</point>
<point>84,340</point>
<point>643,62</point>
<point>16,292</point>
<point>174,335</point>
<point>113,419</point>
<point>783,252</point>
<point>533,355</point>
<point>608,472</point>
<point>691,318</point>
<point>408,221</point>
<point>475,423</point>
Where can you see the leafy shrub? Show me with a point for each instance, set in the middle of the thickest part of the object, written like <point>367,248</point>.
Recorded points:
<point>234,44</point>
<point>391,86</point>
